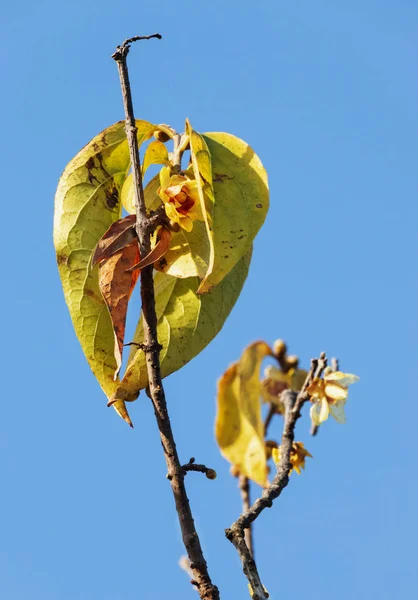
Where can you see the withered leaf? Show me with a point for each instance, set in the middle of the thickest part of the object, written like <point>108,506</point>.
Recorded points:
<point>160,248</point>
<point>116,284</point>
<point>120,234</point>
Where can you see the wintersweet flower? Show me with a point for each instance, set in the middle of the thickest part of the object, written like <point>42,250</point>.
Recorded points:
<point>298,456</point>
<point>329,396</point>
<point>276,382</point>
<point>181,199</point>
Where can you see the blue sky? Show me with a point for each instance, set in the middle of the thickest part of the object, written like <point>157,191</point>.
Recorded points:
<point>326,93</point>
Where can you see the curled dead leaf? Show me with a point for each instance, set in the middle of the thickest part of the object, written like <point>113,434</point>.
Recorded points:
<point>160,248</point>
<point>120,234</point>
<point>116,283</point>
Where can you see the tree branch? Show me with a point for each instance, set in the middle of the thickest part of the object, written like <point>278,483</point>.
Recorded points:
<point>192,466</point>
<point>244,486</point>
<point>236,533</point>
<point>151,347</point>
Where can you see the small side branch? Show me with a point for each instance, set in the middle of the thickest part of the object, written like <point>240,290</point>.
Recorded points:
<point>244,488</point>
<point>207,590</point>
<point>236,533</point>
<point>192,466</point>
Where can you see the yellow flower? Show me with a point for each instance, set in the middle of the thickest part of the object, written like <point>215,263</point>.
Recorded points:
<point>276,382</point>
<point>298,455</point>
<point>181,199</point>
<point>329,396</point>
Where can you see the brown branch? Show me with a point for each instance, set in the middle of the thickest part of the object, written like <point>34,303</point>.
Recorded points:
<point>192,466</point>
<point>151,347</point>
<point>244,486</point>
<point>271,412</point>
<point>236,533</point>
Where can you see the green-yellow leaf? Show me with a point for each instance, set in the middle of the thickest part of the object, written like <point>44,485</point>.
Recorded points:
<point>87,202</point>
<point>152,199</point>
<point>187,322</point>
<point>239,426</point>
<point>234,196</point>
<point>241,193</point>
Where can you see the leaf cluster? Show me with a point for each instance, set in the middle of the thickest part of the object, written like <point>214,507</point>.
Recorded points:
<point>206,217</point>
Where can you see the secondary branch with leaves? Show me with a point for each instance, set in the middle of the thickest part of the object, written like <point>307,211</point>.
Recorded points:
<point>186,234</point>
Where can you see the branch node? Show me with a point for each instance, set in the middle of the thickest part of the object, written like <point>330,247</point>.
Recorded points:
<point>153,346</point>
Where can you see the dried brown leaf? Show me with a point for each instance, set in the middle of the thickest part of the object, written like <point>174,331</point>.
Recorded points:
<point>120,234</point>
<point>160,248</point>
<point>116,285</point>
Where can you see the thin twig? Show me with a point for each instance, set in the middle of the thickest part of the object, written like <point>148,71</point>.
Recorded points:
<point>236,533</point>
<point>192,466</point>
<point>244,486</point>
<point>151,347</point>
<point>271,412</point>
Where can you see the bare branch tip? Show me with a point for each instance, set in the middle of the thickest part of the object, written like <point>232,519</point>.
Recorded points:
<point>122,51</point>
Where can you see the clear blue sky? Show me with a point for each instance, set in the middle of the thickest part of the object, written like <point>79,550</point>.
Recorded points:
<point>326,92</point>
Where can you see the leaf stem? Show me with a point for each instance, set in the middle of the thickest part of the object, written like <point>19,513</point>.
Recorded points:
<point>207,590</point>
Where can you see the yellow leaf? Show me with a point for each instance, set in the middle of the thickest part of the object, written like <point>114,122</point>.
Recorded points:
<point>186,323</point>
<point>240,189</point>
<point>202,170</point>
<point>155,154</point>
<point>234,197</point>
<point>87,202</point>
<point>239,426</point>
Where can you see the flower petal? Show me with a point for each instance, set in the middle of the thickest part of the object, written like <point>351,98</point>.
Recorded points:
<point>173,190</point>
<point>337,411</point>
<point>165,177</point>
<point>186,223</point>
<point>316,389</point>
<point>195,212</point>
<point>275,454</point>
<point>335,392</point>
<point>315,412</point>
<point>324,410</point>
<point>171,212</point>
<point>344,379</point>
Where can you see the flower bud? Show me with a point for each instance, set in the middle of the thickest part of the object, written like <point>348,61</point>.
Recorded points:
<point>210,473</point>
<point>161,136</point>
<point>234,470</point>
<point>292,361</point>
<point>279,348</point>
